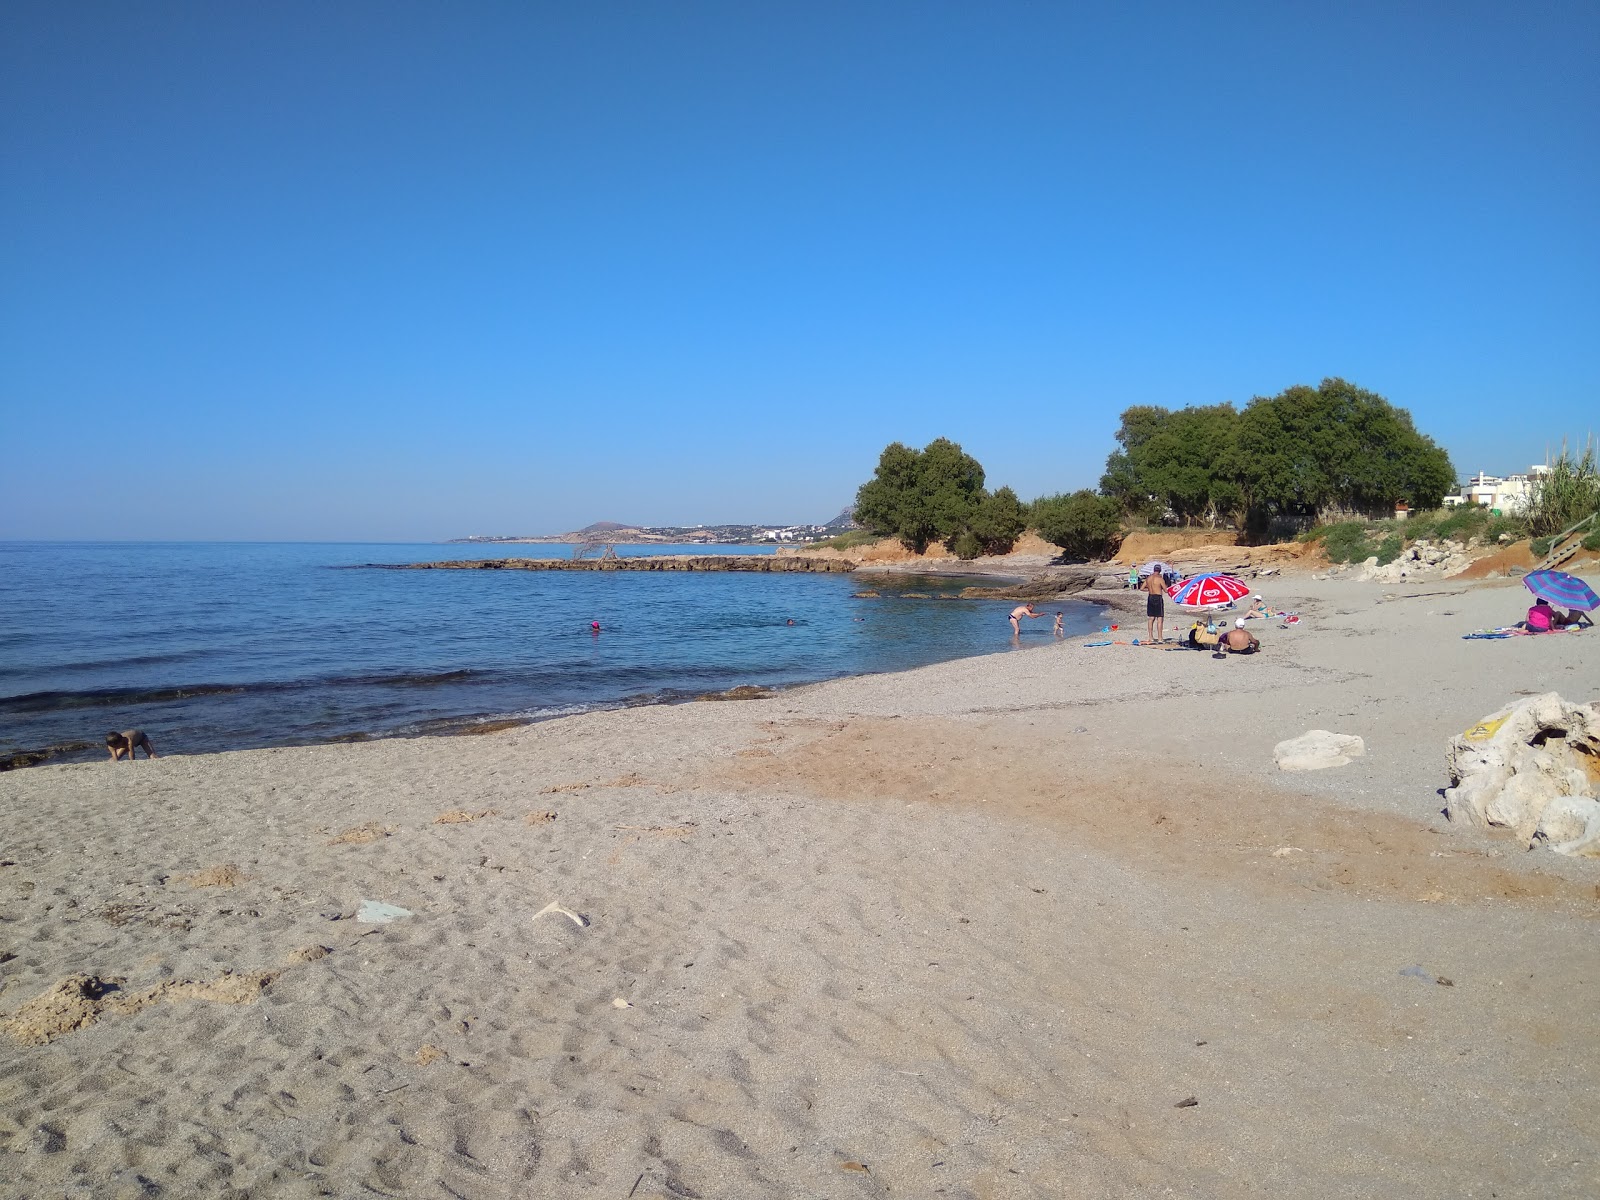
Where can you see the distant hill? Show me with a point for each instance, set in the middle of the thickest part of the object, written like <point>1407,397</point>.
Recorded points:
<point>846,520</point>
<point>606,527</point>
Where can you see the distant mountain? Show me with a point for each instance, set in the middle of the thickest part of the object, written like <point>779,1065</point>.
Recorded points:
<point>844,521</point>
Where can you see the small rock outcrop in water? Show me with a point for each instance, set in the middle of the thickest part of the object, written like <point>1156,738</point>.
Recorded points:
<point>1318,749</point>
<point>16,759</point>
<point>1532,767</point>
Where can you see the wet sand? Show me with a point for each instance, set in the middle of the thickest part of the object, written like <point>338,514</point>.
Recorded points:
<point>983,929</point>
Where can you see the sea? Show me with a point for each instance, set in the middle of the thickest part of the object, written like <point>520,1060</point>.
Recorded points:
<point>218,646</point>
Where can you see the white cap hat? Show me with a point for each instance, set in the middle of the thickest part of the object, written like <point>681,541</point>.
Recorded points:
<point>1239,624</point>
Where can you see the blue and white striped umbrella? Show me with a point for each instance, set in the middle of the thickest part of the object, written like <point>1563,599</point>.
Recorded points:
<point>1560,588</point>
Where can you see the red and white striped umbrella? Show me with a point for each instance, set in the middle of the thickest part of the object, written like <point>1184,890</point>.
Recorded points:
<point>1208,591</point>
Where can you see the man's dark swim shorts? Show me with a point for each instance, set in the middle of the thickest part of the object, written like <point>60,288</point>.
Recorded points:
<point>1154,604</point>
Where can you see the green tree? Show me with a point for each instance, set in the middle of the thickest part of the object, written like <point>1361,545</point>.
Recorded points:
<point>1332,450</point>
<point>1174,460</point>
<point>920,496</point>
<point>1083,524</point>
<point>998,521</point>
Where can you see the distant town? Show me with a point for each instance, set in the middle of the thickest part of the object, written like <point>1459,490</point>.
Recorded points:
<point>724,535</point>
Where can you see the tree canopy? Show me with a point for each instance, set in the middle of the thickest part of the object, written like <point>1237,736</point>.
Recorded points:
<point>1332,449</point>
<point>1083,524</point>
<point>937,494</point>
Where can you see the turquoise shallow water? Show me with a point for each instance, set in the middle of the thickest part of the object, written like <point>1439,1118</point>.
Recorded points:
<point>212,646</point>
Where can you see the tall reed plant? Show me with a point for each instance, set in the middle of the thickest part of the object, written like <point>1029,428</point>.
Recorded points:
<point>1565,494</point>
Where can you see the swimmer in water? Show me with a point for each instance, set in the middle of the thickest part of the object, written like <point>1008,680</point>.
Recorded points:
<point>1020,611</point>
<point>1056,628</point>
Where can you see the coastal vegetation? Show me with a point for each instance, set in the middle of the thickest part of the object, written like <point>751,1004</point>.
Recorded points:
<point>1330,464</point>
<point>1565,494</point>
<point>850,539</point>
<point>938,494</point>
<point>1283,462</point>
<point>1085,525</point>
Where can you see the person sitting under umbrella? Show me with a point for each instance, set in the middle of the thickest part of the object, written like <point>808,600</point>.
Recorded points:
<point>1543,617</point>
<point>1239,640</point>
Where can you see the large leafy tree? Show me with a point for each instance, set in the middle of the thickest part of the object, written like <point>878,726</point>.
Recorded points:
<point>1333,449</point>
<point>920,496</point>
<point>1177,460</point>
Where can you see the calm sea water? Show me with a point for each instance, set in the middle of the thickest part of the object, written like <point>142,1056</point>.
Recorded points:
<point>212,646</point>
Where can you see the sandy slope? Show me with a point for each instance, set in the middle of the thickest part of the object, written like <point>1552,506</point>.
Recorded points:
<point>972,931</point>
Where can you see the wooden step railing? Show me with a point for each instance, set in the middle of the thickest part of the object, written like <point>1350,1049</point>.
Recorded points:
<point>1564,545</point>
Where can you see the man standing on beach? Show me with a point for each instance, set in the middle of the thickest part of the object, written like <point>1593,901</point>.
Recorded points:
<point>1155,607</point>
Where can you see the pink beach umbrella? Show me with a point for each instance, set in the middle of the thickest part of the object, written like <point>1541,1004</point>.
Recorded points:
<point>1208,591</point>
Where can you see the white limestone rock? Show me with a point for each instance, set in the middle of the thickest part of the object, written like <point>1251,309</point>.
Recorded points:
<point>1571,825</point>
<point>1318,749</point>
<point>1521,764</point>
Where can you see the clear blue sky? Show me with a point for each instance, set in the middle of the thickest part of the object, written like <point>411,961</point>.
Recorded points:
<point>401,270</point>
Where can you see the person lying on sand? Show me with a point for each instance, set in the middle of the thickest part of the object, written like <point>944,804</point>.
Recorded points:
<point>127,742</point>
<point>1239,640</point>
<point>1020,611</point>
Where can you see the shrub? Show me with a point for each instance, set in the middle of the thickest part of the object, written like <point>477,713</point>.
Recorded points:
<point>1390,549</point>
<point>1084,525</point>
<point>965,545</point>
<point>1592,542</point>
<point>1540,546</point>
<point>1347,541</point>
<point>848,540</point>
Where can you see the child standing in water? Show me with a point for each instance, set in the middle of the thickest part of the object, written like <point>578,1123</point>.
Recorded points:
<point>1056,628</point>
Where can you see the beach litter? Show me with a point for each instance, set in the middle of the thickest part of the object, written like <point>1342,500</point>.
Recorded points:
<point>1532,767</point>
<point>578,919</point>
<point>1416,972</point>
<point>376,912</point>
<point>1316,750</point>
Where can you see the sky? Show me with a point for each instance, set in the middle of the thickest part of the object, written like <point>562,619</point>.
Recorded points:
<point>393,270</point>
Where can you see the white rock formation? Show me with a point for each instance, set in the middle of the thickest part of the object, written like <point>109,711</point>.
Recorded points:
<point>1532,767</point>
<point>1317,749</point>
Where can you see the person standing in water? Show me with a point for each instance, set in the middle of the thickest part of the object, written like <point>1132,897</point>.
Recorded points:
<point>1020,611</point>
<point>1155,607</point>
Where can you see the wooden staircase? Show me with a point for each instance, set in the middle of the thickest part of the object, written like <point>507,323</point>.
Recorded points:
<point>1566,544</point>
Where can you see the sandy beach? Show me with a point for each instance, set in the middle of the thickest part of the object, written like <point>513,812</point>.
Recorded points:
<point>1044,923</point>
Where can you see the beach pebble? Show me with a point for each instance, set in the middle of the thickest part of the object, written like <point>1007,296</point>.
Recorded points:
<point>1317,749</point>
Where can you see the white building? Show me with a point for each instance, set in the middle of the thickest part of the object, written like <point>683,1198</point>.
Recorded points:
<point>1505,494</point>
